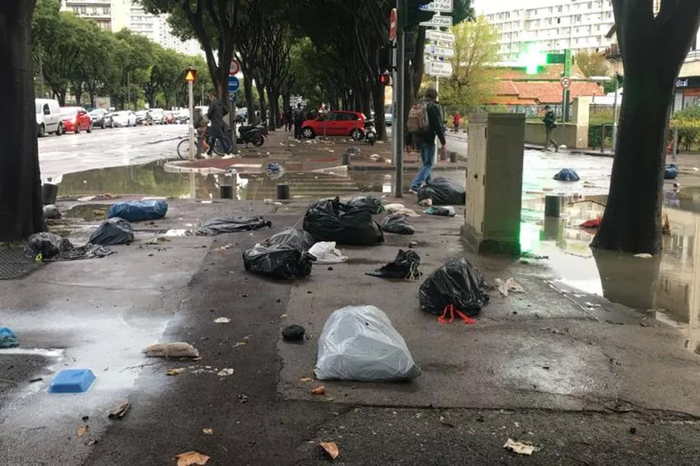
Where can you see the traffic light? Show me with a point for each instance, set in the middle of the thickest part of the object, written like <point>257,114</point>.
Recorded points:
<point>385,79</point>
<point>411,15</point>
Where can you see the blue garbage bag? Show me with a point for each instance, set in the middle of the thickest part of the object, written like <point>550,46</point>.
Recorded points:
<point>566,174</point>
<point>670,171</point>
<point>8,339</point>
<point>136,211</point>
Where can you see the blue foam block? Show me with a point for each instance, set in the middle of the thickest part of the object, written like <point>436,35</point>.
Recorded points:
<point>8,339</point>
<point>72,381</point>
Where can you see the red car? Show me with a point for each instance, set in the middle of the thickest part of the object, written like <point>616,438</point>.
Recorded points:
<point>335,123</point>
<point>76,119</point>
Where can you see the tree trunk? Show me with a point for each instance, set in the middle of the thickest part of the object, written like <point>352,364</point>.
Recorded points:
<point>653,50</point>
<point>61,96</point>
<point>78,93</point>
<point>378,103</point>
<point>274,108</point>
<point>365,106</point>
<point>261,97</point>
<point>20,183</point>
<point>248,90</point>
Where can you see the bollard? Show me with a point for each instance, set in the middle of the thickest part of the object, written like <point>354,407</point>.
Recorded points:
<point>49,191</point>
<point>282,191</point>
<point>226,191</point>
<point>346,158</point>
<point>453,157</point>
<point>552,206</point>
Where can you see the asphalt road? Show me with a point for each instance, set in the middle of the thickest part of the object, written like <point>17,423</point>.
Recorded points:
<point>109,147</point>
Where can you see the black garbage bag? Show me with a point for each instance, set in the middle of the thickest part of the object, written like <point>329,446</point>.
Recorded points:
<point>113,231</point>
<point>219,225</point>
<point>88,251</point>
<point>443,191</point>
<point>372,204</point>
<point>49,245</point>
<point>405,266</point>
<point>282,255</point>
<point>397,223</point>
<point>332,220</point>
<point>457,283</point>
<point>567,174</point>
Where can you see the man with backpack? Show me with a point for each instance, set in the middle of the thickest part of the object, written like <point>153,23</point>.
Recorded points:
<point>550,124</point>
<point>424,124</point>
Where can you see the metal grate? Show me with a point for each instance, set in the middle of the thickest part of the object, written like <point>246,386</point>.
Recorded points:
<point>14,263</point>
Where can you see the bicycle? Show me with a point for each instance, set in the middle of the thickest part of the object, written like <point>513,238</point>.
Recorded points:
<point>202,140</point>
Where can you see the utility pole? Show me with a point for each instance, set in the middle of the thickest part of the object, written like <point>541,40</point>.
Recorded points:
<point>191,77</point>
<point>398,94</point>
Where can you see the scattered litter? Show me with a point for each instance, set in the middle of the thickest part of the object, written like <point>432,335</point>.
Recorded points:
<point>283,255</point>
<point>171,350</point>
<point>119,411</point>
<point>444,421</point>
<point>331,448</point>
<point>222,320</point>
<point>530,255</point>
<point>8,339</point>
<point>375,157</point>
<point>72,381</point>
<point>521,448</point>
<point>345,223</point>
<point>359,343</point>
<point>442,191</point>
<point>593,223</point>
<point>177,371</point>
<point>643,255</point>
<point>320,390</point>
<point>82,430</point>
<point>51,212</point>
<point>191,458</point>
<point>425,202</point>
<point>111,232</point>
<point>225,372</point>
<point>441,211</point>
<point>225,247</point>
<point>404,266</point>
<point>294,333</point>
<point>397,208</point>
<point>137,211</point>
<point>397,223</point>
<point>274,170</point>
<point>566,174</point>
<point>306,379</point>
<point>325,252</point>
<point>177,233</point>
<point>216,226</point>
<point>48,245</point>
<point>37,379</point>
<point>413,244</point>
<point>208,431</point>
<point>457,283</point>
<point>508,286</point>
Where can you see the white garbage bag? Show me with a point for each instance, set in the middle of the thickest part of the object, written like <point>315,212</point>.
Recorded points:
<point>326,253</point>
<point>359,343</point>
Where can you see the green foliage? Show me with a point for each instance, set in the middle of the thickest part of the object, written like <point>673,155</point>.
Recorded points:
<point>687,122</point>
<point>592,63</point>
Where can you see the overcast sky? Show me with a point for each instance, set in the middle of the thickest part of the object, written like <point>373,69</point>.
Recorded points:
<point>488,6</point>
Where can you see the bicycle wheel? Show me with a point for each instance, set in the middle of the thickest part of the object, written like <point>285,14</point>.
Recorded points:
<point>183,149</point>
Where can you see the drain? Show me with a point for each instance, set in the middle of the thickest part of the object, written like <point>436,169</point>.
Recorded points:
<point>14,264</point>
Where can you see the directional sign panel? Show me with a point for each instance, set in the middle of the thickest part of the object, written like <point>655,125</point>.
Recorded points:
<point>438,22</point>
<point>442,6</point>
<point>439,51</point>
<point>438,68</point>
<point>439,36</point>
<point>233,84</point>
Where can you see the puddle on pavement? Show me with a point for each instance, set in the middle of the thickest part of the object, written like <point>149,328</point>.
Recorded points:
<point>88,212</point>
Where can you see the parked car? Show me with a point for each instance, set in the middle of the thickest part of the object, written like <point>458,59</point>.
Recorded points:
<point>124,118</point>
<point>335,123</point>
<point>76,119</point>
<point>182,116</point>
<point>143,117</point>
<point>157,116</point>
<point>100,117</point>
<point>48,117</point>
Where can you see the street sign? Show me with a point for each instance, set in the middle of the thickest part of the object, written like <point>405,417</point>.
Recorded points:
<point>233,84</point>
<point>438,22</point>
<point>190,75</point>
<point>442,6</point>
<point>438,68</point>
<point>393,24</point>
<point>439,36</point>
<point>565,82</point>
<point>439,51</point>
<point>234,68</point>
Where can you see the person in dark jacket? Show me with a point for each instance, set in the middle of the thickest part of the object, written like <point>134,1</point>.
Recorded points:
<point>216,130</point>
<point>298,121</point>
<point>425,141</point>
<point>550,123</point>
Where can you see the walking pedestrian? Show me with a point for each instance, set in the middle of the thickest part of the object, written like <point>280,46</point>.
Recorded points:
<point>298,121</point>
<point>425,123</point>
<point>550,125</point>
<point>456,121</point>
<point>288,119</point>
<point>216,114</point>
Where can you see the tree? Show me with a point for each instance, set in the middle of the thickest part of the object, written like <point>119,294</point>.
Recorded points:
<point>653,49</point>
<point>472,80</point>
<point>592,63</point>
<point>20,182</point>
<point>133,56</point>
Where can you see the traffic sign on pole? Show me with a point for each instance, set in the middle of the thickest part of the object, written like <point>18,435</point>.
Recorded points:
<point>190,75</point>
<point>438,68</point>
<point>442,6</point>
<point>565,82</point>
<point>233,84</point>
<point>234,68</point>
<point>439,51</point>
<point>439,36</point>
<point>393,24</point>
<point>438,22</point>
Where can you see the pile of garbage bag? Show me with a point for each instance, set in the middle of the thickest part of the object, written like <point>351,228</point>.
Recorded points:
<point>369,203</point>
<point>442,191</point>
<point>137,211</point>
<point>405,266</point>
<point>113,231</point>
<point>457,283</point>
<point>351,223</point>
<point>566,174</point>
<point>283,255</point>
<point>219,225</point>
<point>359,343</point>
<point>51,247</point>
<point>397,223</point>
<point>670,171</point>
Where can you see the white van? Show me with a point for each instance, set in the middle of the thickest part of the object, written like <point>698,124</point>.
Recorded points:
<point>48,117</point>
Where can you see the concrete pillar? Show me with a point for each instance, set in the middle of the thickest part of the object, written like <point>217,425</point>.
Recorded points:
<point>581,114</point>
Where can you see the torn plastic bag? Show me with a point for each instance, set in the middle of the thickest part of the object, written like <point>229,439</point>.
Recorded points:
<point>51,212</point>
<point>49,245</point>
<point>219,225</point>
<point>113,231</point>
<point>370,203</point>
<point>456,283</point>
<point>283,255</point>
<point>136,211</point>
<point>405,266</point>
<point>359,343</point>
<point>442,191</point>
<point>441,211</point>
<point>566,174</point>
<point>325,252</point>
<point>397,223</point>
<point>332,220</point>
<point>89,251</point>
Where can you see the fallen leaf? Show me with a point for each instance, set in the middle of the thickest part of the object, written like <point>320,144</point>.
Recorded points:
<point>222,320</point>
<point>240,343</point>
<point>82,430</point>
<point>208,431</point>
<point>225,372</point>
<point>520,448</point>
<point>331,448</point>
<point>175,371</point>
<point>320,390</point>
<point>306,379</point>
<point>191,457</point>
<point>119,411</point>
